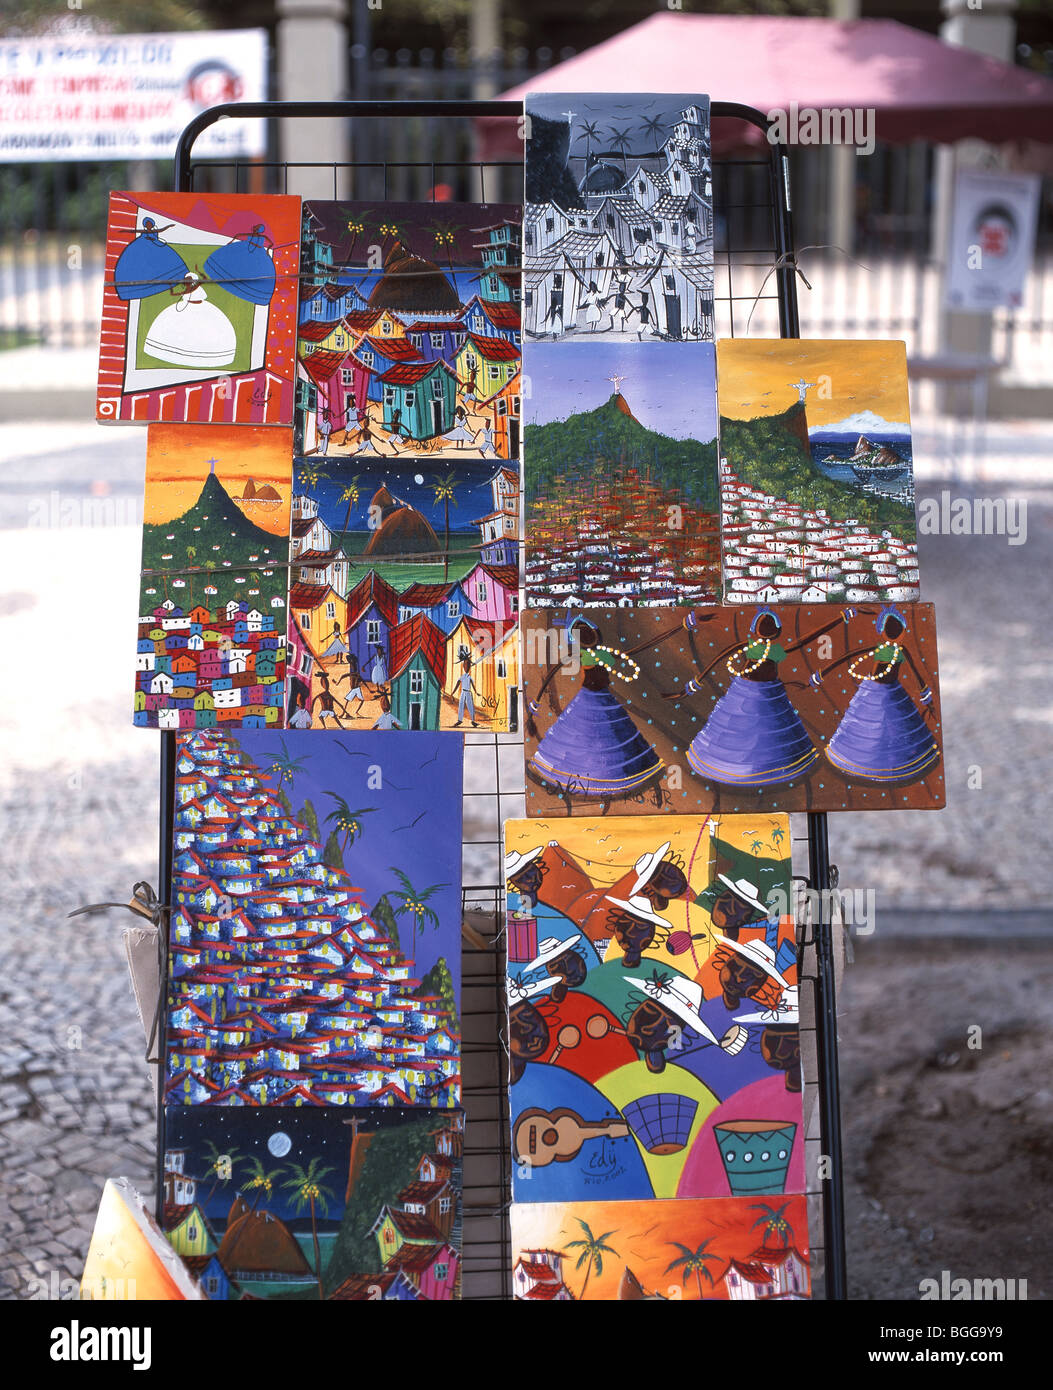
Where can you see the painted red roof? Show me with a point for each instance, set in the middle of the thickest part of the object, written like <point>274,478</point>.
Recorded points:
<point>433,326</point>
<point>496,349</point>
<point>409,373</point>
<point>370,589</point>
<point>416,1259</point>
<point>307,595</point>
<point>320,366</point>
<point>314,330</point>
<point>361,320</point>
<point>534,1269</point>
<point>502,313</point>
<point>424,595</point>
<point>418,633</point>
<point>397,349</point>
<point>543,1293</point>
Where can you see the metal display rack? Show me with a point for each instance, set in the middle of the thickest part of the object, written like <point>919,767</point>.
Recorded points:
<point>754,243</point>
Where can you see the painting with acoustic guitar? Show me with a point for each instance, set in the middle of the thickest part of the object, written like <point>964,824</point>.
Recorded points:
<point>734,1248</point>
<point>732,709</point>
<point>653,1011</point>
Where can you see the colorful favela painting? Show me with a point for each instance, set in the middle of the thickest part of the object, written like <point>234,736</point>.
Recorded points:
<point>315,1203</point>
<point>794,708</point>
<point>215,577</point>
<point>404,601</point>
<point>315,937</point>
<point>652,996</point>
<point>621,475</point>
<point>618,236</point>
<point>816,480</point>
<point>409,330</point>
<point>199,309</point>
<point>723,1248</point>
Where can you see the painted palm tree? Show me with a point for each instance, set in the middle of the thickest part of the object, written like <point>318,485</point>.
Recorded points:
<point>591,131</point>
<point>261,1180</point>
<point>285,766</point>
<point>347,823</point>
<point>622,141</point>
<point>693,1262</point>
<point>757,846</point>
<point>350,495</point>
<point>654,126</point>
<point>308,475</point>
<point>778,835</point>
<point>308,1190</point>
<point>444,489</point>
<point>191,554</point>
<point>444,234</point>
<point>220,1162</point>
<point>776,1227</point>
<point>390,229</point>
<point>356,227</point>
<point>414,903</point>
<point>592,1248</point>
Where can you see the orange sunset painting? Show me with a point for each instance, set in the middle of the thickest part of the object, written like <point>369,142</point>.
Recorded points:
<point>735,1248</point>
<point>252,462</point>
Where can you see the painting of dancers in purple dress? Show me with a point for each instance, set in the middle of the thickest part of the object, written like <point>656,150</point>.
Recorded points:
<point>791,708</point>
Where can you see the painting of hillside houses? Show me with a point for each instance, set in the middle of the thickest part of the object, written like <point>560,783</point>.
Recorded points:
<point>734,708</point>
<point>211,637</point>
<point>816,478</point>
<point>314,945</point>
<point>405,595</point>
<point>620,475</point>
<point>315,1203</point>
<point>618,226</point>
<point>409,331</point>
<point>199,308</point>
<point>714,1249</point>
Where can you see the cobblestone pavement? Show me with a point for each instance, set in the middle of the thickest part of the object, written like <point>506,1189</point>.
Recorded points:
<point>78,797</point>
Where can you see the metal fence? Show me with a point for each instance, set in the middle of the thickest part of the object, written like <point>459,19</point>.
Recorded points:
<point>886,284</point>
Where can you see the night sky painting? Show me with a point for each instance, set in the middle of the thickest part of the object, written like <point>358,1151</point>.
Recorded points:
<point>351,229</point>
<point>315,1203</point>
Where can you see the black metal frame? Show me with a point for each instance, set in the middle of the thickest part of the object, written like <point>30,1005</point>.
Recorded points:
<point>779,258</point>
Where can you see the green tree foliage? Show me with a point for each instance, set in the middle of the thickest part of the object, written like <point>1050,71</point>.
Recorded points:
<point>384,917</point>
<point>332,854</point>
<point>438,980</point>
<point>765,453</point>
<point>594,441</point>
<point>309,816</point>
<point>390,1165</point>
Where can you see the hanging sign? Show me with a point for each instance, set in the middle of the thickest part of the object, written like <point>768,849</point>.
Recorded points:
<point>128,96</point>
<point>992,239</point>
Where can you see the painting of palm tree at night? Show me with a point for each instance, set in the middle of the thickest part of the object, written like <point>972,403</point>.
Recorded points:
<point>717,1248</point>
<point>314,952</point>
<point>315,1203</point>
<point>409,333</point>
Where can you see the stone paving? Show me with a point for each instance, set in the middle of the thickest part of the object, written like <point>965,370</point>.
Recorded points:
<point>78,800</point>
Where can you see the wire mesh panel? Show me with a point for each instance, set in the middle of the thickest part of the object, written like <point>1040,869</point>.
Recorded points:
<point>754,291</point>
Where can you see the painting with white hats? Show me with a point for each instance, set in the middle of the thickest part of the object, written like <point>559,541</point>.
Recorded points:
<point>652,982</point>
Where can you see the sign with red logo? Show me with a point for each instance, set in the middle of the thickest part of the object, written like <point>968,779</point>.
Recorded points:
<point>128,96</point>
<point>992,239</point>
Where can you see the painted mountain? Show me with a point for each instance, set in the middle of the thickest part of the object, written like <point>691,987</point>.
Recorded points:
<point>214,581</point>
<point>315,1203</point>
<point>304,969</point>
<point>621,486</point>
<point>817,484</point>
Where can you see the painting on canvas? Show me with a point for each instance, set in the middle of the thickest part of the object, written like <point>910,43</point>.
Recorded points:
<point>724,1248</point>
<point>408,340</point>
<point>329,1203</point>
<point>199,309</point>
<point>800,707</point>
<point>618,234</point>
<point>215,577</point>
<point>620,472</point>
<point>314,951</point>
<point>653,1010</point>
<point>405,595</point>
<point>817,482</point>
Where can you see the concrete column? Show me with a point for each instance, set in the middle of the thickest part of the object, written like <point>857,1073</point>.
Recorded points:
<point>841,224</point>
<point>987,28</point>
<point>313,66</point>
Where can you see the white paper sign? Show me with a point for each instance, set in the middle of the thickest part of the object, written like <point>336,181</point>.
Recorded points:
<point>128,96</point>
<point>992,239</point>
